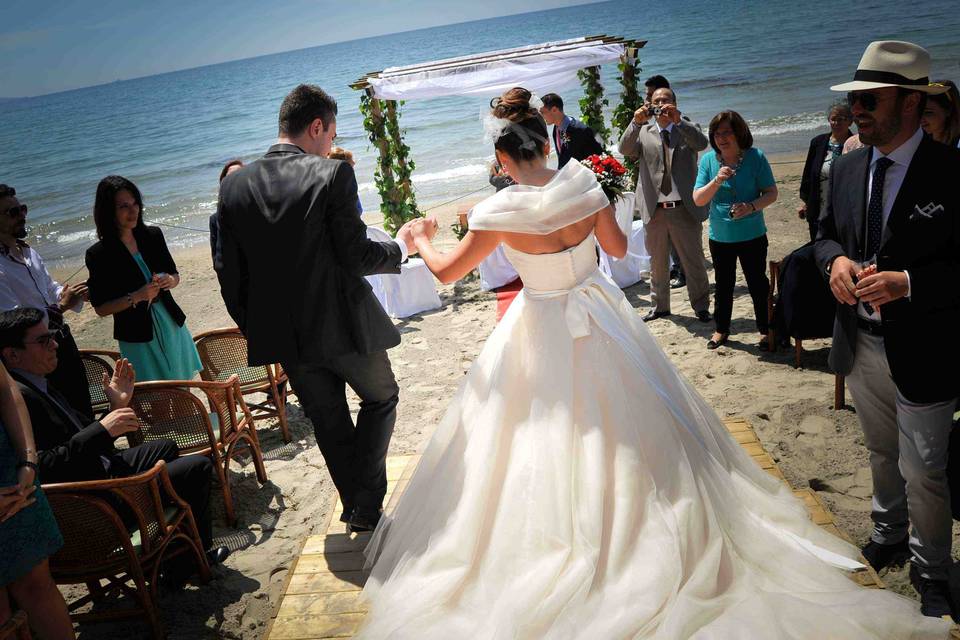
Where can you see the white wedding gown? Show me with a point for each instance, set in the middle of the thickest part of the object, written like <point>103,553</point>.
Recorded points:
<point>579,488</point>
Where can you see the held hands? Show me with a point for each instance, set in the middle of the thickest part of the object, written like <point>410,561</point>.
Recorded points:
<point>119,388</point>
<point>120,421</point>
<point>418,229</point>
<point>14,498</point>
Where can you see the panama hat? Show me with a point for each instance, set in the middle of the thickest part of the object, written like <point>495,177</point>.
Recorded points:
<point>891,63</point>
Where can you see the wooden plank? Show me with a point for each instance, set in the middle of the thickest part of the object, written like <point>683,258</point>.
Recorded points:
<point>336,562</point>
<point>311,604</point>
<point>315,583</point>
<point>336,543</point>
<point>342,625</point>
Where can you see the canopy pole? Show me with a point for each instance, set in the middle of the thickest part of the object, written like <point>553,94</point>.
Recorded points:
<point>404,165</point>
<point>391,200</point>
<point>593,102</point>
<point>630,101</point>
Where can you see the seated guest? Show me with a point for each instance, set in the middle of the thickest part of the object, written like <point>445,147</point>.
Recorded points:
<point>571,138</point>
<point>824,149</point>
<point>131,274</point>
<point>233,165</point>
<point>73,448</point>
<point>941,116</point>
<point>339,153</point>
<point>25,282</point>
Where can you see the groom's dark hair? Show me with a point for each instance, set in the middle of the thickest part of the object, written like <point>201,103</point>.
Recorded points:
<point>552,100</point>
<point>302,106</point>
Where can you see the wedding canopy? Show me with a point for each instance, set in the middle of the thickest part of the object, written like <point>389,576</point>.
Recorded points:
<point>538,68</point>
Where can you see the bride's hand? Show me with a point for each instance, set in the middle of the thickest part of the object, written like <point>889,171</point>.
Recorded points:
<point>424,228</point>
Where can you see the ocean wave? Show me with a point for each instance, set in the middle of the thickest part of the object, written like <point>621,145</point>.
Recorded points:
<point>74,236</point>
<point>465,171</point>
<point>779,125</point>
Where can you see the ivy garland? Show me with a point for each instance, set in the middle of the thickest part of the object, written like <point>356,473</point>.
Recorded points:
<point>397,204</point>
<point>593,102</point>
<point>630,101</point>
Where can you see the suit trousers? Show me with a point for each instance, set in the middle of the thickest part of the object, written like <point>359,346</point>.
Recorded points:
<point>69,378</point>
<point>753,260</point>
<point>676,227</point>
<point>908,445</point>
<point>190,476</point>
<point>355,455</point>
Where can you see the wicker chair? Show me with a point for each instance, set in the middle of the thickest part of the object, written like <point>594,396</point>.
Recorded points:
<point>171,409</point>
<point>98,544</point>
<point>95,364</point>
<point>15,628</point>
<point>223,353</point>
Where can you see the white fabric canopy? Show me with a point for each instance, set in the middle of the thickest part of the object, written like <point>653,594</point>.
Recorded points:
<point>539,69</point>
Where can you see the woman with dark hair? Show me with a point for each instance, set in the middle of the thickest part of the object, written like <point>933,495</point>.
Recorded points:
<point>131,274</point>
<point>941,117</point>
<point>28,530</point>
<point>824,149</point>
<point>737,182</point>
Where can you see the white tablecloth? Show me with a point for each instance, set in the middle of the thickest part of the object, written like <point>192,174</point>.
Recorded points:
<point>411,292</point>
<point>629,270</point>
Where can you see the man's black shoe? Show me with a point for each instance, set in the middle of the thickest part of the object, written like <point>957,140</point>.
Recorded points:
<point>217,555</point>
<point>935,598</point>
<point>881,556</point>
<point>704,316</point>
<point>361,520</point>
<point>653,315</point>
<point>679,282</point>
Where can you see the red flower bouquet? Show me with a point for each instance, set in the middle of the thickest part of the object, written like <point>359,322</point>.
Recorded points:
<point>611,175</point>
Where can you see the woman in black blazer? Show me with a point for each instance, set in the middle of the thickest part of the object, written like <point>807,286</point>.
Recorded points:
<point>824,149</point>
<point>131,274</point>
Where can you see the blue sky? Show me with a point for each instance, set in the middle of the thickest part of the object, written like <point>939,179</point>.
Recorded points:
<point>53,45</point>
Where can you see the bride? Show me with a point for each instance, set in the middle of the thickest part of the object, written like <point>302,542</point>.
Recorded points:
<point>578,486</point>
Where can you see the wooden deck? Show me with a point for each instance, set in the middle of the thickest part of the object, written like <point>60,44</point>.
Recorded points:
<point>322,591</point>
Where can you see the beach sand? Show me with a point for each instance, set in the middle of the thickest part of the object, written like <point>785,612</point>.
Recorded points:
<point>791,410</point>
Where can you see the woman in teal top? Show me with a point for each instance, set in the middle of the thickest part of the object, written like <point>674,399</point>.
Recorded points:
<point>28,531</point>
<point>737,183</point>
<point>131,275</point>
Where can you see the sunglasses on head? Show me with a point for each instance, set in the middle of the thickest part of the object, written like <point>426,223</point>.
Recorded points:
<point>13,212</point>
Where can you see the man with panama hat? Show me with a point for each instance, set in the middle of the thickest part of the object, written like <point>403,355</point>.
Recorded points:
<point>889,242</point>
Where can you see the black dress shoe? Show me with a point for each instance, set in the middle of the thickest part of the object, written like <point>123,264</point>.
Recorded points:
<point>653,315</point>
<point>713,344</point>
<point>679,282</point>
<point>217,555</point>
<point>704,316</point>
<point>935,598</point>
<point>361,520</point>
<point>881,556</point>
<point>345,515</point>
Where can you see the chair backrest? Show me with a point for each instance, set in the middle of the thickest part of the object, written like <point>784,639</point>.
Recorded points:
<point>95,364</point>
<point>15,628</point>
<point>223,353</point>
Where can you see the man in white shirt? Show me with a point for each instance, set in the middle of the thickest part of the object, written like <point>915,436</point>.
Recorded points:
<point>25,282</point>
<point>890,242</point>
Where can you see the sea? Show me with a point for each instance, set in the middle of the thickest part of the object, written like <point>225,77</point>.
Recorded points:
<point>771,60</point>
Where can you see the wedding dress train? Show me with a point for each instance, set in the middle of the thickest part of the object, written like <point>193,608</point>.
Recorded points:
<point>579,487</point>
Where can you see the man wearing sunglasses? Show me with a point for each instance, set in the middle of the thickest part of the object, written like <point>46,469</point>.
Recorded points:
<point>890,244</point>
<point>25,282</point>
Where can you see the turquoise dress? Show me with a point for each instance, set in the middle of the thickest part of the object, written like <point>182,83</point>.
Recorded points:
<point>32,534</point>
<point>171,355</point>
<point>753,175</point>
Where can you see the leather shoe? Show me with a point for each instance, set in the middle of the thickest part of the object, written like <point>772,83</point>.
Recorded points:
<point>704,316</point>
<point>881,556</point>
<point>713,344</point>
<point>653,315</point>
<point>935,598</point>
<point>679,282</point>
<point>217,555</point>
<point>361,520</point>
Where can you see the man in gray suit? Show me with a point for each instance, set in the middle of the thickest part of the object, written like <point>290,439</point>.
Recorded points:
<point>667,145</point>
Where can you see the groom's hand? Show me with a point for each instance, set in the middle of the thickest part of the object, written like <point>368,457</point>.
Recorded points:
<point>406,237</point>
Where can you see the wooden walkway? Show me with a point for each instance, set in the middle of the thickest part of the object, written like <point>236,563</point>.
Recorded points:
<point>322,592</point>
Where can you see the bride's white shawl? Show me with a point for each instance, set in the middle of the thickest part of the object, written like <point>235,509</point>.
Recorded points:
<point>570,196</point>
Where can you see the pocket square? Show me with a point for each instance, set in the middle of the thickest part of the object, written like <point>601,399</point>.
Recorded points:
<point>925,212</point>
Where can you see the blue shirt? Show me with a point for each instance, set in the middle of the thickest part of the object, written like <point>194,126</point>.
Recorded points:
<point>753,175</point>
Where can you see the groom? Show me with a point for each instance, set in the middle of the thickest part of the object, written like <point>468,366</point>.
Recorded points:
<point>292,256</point>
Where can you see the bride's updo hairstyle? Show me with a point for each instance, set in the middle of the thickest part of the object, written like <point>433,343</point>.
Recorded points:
<point>523,140</point>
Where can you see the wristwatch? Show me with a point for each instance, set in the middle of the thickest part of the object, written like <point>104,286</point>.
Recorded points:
<point>830,263</point>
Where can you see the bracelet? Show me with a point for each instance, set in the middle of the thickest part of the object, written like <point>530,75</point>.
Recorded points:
<point>29,465</point>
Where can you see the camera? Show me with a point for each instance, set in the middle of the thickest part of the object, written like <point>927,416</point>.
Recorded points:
<point>653,111</point>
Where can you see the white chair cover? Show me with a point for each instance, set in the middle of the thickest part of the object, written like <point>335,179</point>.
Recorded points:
<point>629,270</point>
<point>411,292</point>
<point>496,270</point>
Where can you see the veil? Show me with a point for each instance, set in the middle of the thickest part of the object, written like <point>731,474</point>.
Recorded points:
<point>571,195</point>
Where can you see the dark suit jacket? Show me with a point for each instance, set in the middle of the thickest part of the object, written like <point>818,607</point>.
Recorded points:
<point>66,453</point>
<point>583,143</point>
<point>810,182</point>
<point>114,273</point>
<point>293,253</point>
<point>923,365</point>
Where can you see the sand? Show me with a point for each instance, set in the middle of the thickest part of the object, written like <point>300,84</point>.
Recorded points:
<point>791,410</point>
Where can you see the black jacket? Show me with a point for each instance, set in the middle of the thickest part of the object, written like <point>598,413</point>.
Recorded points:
<point>114,273</point>
<point>805,306</point>
<point>922,236</point>
<point>582,143</point>
<point>293,253</point>
<point>66,453</point>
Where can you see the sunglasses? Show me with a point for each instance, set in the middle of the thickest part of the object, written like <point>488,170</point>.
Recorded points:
<point>13,212</point>
<point>43,339</point>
